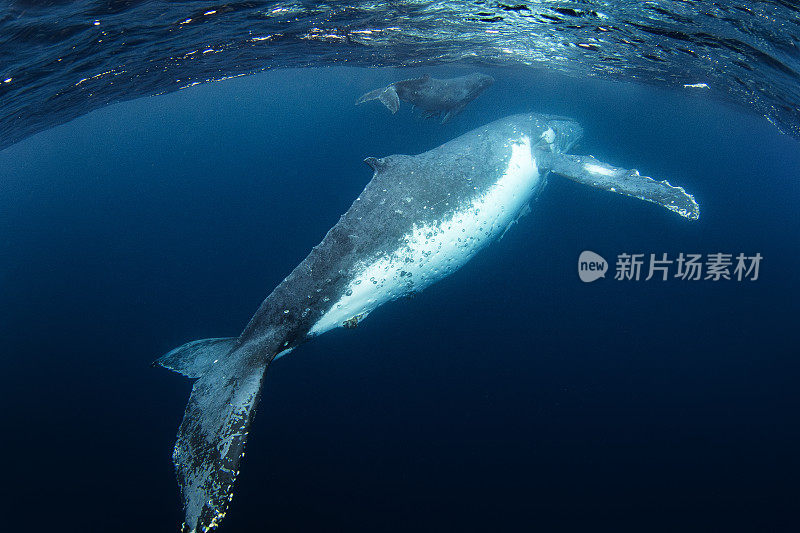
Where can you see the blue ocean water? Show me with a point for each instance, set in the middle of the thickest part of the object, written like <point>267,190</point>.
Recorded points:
<point>62,59</point>
<point>508,397</point>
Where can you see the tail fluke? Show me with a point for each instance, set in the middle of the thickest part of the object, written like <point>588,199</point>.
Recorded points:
<point>212,436</point>
<point>194,358</point>
<point>211,440</point>
<point>387,95</point>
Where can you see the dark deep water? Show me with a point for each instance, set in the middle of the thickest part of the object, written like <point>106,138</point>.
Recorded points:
<point>508,397</point>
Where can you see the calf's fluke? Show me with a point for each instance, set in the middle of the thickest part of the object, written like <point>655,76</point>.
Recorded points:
<point>387,96</point>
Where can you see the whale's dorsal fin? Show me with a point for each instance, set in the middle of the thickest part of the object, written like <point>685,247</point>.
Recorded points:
<point>590,171</point>
<point>377,163</point>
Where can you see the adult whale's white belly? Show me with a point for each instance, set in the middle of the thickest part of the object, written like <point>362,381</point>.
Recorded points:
<point>431,251</point>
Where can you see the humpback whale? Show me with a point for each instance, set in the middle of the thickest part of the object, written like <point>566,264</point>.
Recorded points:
<point>419,219</point>
<point>435,97</point>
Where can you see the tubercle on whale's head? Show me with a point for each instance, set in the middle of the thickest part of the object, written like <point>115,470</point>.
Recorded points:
<point>567,133</point>
<point>548,132</point>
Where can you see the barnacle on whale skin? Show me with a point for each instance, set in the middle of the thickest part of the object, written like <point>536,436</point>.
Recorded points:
<point>352,322</point>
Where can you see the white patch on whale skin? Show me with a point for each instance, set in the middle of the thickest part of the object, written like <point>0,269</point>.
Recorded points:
<point>282,353</point>
<point>430,252</point>
<point>598,169</point>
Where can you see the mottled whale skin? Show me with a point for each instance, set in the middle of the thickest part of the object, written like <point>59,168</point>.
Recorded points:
<point>445,97</point>
<point>418,220</point>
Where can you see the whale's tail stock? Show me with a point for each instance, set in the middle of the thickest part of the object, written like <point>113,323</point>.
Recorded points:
<point>212,436</point>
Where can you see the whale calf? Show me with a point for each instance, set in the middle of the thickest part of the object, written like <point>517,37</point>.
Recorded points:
<point>419,219</point>
<point>435,97</point>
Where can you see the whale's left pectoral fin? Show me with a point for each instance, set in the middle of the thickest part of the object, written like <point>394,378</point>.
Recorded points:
<point>590,171</point>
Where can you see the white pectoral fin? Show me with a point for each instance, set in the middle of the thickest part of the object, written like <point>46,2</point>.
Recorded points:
<point>590,171</point>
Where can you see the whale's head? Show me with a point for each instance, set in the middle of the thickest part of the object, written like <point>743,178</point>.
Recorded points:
<point>479,82</point>
<point>550,133</point>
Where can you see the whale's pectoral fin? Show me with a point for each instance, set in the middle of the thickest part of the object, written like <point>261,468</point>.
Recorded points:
<point>590,171</point>
<point>453,112</point>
